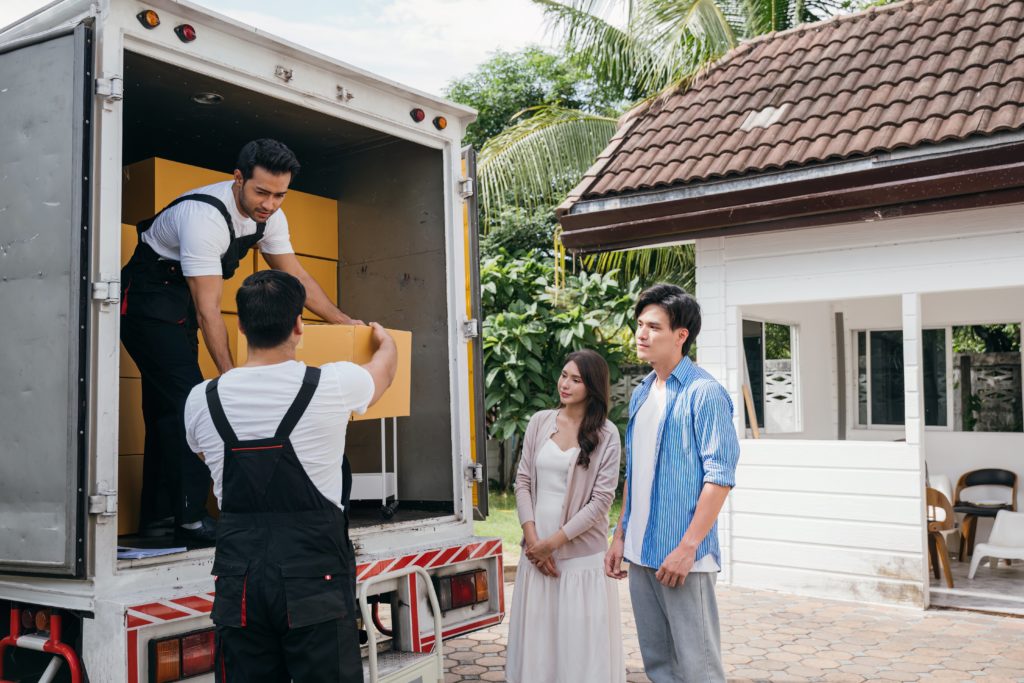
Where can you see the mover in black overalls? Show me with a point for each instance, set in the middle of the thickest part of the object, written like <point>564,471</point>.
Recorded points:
<point>273,435</point>
<point>171,287</point>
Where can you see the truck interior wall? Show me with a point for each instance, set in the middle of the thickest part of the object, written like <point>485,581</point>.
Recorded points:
<point>392,239</point>
<point>391,229</point>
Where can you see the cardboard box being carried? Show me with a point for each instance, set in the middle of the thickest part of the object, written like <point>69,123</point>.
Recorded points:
<point>332,343</point>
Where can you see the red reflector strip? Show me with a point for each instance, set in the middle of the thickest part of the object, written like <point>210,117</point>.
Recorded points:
<point>160,611</point>
<point>195,602</point>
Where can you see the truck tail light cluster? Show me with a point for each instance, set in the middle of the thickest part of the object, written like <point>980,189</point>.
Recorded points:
<point>149,19</point>
<point>462,590</point>
<point>179,657</point>
<point>418,115</point>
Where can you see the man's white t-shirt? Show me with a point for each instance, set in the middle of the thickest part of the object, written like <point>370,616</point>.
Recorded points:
<point>255,400</point>
<point>195,233</point>
<point>641,481</point>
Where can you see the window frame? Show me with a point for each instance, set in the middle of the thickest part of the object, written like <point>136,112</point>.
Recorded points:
<point>794,351</point>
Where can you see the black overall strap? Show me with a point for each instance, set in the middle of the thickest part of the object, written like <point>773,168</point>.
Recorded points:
<point>220,420</point>
<point>205,199</point>
<point>299,405</point>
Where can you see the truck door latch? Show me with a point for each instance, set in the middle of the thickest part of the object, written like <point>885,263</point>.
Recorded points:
<point>107,291</point>
<point>111,88</point>
<point>103,504</point>
<point>466,189</point>
<point>470,328</point>
<point>475,472</point>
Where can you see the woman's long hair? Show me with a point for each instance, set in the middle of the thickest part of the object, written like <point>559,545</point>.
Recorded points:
<point>594,372</point>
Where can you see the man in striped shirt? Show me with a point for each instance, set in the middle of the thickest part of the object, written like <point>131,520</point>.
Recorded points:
<point>681,454</point>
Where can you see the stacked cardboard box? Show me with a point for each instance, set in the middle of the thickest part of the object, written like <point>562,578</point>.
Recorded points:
<point>147,187</point>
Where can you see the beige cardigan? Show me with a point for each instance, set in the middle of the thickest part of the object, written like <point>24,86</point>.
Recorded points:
<point>589,492</point>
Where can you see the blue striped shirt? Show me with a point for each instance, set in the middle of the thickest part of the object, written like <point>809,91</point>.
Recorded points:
<point>696,444</point>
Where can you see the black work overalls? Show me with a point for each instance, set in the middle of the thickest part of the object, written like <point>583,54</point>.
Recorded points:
<point>158,329</point>
<point>285,586</point>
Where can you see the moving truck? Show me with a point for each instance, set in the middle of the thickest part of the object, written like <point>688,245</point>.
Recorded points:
<point>106,105</point>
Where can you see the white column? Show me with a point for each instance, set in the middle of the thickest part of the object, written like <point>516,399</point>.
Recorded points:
<point>718,352</point>
<point>913,381</point>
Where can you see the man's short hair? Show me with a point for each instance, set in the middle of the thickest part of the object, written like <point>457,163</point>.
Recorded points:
<point>682,309</point>
<point>269,301</point>
<point>269,154</point>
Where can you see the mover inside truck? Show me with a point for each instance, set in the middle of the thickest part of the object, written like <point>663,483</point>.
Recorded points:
<point>367,218</point>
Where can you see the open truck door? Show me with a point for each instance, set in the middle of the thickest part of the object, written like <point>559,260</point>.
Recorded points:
<point>45,230</point>
<point>478,421</point>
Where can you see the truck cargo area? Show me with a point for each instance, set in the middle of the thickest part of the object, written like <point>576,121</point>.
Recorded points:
<point>389,264</point>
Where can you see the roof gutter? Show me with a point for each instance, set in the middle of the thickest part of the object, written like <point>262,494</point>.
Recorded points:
<point>983,171</point>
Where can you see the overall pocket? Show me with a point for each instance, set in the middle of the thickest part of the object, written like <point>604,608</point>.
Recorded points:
<point>317,591</point>
<point>230,584</point>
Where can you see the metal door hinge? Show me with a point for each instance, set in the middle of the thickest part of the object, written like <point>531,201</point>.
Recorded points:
<point>466,187</point>
<point>103,503</point>
<point>107,291</point>
<point>470,328</point>
<point>110,88</point>
<point>474,473</point>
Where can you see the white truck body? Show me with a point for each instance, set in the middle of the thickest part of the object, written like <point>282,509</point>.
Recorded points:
<point>93,76</point>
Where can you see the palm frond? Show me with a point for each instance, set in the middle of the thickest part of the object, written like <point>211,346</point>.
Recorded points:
<point>538,160</point>
<point>673,264</point>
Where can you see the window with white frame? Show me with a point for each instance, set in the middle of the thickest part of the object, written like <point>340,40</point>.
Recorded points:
<point>771,375</point>
<point>971,376</point>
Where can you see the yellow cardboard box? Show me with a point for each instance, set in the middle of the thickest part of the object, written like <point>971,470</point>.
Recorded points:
<point>131,432</point>
<point>150,185</point>
<point>129,493</point>
<point>324,271</point>
<point>332,343</point>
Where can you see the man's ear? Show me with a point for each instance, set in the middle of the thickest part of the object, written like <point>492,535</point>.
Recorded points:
<point>682,334</point>
<point>238,177</point>
<point>297,329</point>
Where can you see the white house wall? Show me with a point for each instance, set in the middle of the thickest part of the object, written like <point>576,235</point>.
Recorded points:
<point>834,525</point>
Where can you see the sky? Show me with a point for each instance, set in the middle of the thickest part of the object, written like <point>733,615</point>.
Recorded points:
<point>421,43</point>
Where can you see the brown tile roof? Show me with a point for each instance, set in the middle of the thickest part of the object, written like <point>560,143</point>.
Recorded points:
<point>898,76</point>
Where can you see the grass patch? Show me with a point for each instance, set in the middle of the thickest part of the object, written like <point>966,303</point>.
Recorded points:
<point>503,520</point>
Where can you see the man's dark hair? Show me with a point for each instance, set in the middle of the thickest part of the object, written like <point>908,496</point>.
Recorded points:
<point>683,310</point>
<point>269,154</point>
<point>269,301</point>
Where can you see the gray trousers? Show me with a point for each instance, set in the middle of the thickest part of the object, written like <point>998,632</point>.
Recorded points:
<point>678,629</point>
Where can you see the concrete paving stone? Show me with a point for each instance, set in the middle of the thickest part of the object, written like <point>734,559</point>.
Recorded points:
<point>637,678</point>
<point>452,678</point>
<point>492,676</point>
<point>456,643</point>
<point>488,647</point>
<point>468,670</point>
<point>897,676</point>
<point>839,677</point>
<point>461,656</point>
<point>490,661</point>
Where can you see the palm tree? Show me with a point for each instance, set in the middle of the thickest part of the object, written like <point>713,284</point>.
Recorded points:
<point>638,48</point>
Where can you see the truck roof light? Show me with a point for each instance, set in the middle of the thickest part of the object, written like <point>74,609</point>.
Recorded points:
<point>185,32</point>
<point>417,114</point>
<point>148,18</point>
<point>440,122</point>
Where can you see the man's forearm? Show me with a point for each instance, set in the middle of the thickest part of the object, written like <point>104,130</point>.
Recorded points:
<point>712,498</point>
<point>619,533</point>
<point>215,335</point>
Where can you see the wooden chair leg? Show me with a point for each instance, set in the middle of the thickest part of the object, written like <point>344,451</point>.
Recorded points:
<point>933,556</point>
<point>943,551</point>
<point>974,536</point>
<point>967,537</point>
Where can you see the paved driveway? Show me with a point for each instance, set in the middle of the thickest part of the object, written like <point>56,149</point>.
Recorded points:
<point>769,636</point>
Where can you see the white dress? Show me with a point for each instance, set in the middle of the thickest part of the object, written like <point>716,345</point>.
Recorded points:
<point>565,629</point>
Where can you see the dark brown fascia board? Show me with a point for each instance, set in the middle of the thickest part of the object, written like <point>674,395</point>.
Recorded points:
<point>860,195</point>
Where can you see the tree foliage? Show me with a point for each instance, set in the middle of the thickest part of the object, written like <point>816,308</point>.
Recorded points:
<point>530,326</point>
<point>509,85</point>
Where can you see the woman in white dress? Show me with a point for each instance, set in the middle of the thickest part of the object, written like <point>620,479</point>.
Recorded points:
<point>565,622</point>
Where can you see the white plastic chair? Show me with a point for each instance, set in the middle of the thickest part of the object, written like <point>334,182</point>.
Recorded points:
<point>1005,543</point>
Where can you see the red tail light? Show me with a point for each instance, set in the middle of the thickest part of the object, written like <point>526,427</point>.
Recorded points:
<point>462,590</point>
<point>185,32</point>
<point>180,657</point>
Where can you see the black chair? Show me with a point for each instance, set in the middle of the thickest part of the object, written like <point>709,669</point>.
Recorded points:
<point>972,510</point>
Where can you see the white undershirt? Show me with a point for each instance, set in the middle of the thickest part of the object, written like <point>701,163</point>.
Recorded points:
<point>255,400</point>
<point>641,479</point>
<point>195,233</point>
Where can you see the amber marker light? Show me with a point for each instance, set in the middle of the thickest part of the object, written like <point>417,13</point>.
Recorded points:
<point>440,122</point>
<point>148,18</point>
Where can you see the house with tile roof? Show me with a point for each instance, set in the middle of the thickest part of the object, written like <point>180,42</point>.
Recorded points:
<point>855,192</point>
